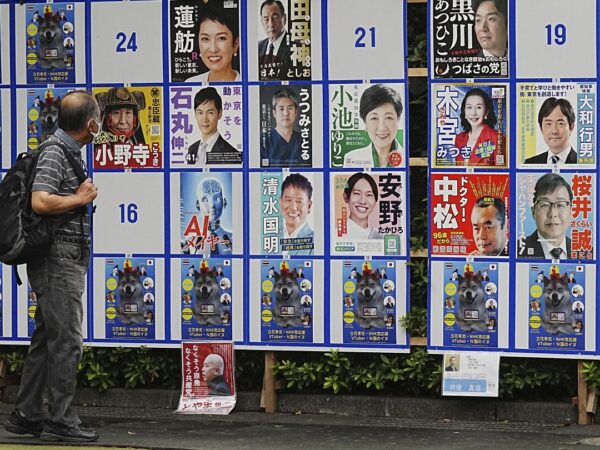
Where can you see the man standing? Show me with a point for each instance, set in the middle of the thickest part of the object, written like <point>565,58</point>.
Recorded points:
<point>283,146</point>
<point>212,372</point>
<point>556,119</point>
<point>552,202</point>
<point>274,58</point>
<point>211,148</point>
<point>296,205</point>
<point>488,220</point>
<point>58,279</point>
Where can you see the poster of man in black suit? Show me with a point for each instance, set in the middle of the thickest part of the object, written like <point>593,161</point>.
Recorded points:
<point>556,119</point>
<point>282,55</point>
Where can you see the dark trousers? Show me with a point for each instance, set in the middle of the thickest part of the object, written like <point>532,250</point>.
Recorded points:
<point>58,280</point>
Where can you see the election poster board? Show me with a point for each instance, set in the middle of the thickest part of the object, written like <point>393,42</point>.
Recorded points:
<point>535,236</point>
<point>215,162</point>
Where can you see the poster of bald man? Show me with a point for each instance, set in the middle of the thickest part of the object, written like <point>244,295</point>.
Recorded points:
<point>208,385</point>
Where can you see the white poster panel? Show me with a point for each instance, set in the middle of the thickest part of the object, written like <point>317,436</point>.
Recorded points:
<point>5,45</point>
<point>366,38</point>
<point>5,130</point>
<point>471,374</point>
<point>130,215</point>
<point>556,39</point>
<point>125,37</point>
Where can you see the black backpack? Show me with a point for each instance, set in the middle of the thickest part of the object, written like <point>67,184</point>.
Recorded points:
<point>26,235</point>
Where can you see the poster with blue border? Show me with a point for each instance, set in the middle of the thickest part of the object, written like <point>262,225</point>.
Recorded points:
<point>557,302</point>
<point>470,304</point>
<point>206,218</point>
<point>31,309</point>
<point>130,298</point>
<point>369,293</point>
<point>286,300</point>
<point>50,43</point>
<point>206,299</point>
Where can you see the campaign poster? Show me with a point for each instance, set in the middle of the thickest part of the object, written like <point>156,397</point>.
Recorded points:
<point>50,43</point>
<point>557,303</point>
<point>42,114</point>
<point>131,134</point>
<point>556,125</point>
<point>469,214</point>
<point>471,374</point>
<point>206,213</point>
<point>369,215</point>
<point>369,293</point>
<point>287,218</point>
<point>286,126</point>
<point>130,297</point>
<point>206,298</point>
<point>469,43</point>
<point>205,40</point>
<point>284,51</point>
<point>556,215</point>
<point>208,378</point>
<point>471,304</point>
<point>286,300</point>
<point>469,124</point>
<point>206,126</point>
<point>367,125</point>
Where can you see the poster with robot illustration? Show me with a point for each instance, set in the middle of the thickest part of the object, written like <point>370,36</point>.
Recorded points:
<point>205,214</point>
<point>369,302</point>
<point>206,298</point>
<point>286,300</point>
<point>557,306</point>
<point>50,43</point>
<point>42,114</point>
<point>470,300</point>
<point>130,298</point>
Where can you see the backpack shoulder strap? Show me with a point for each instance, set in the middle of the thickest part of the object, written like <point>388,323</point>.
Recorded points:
<point>79,172</point>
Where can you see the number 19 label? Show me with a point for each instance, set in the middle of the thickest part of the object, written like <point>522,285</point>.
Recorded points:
<point>556,34</point>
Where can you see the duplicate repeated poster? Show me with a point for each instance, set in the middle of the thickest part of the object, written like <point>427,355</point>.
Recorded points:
<point>42,114</point>
<point>50,43</point>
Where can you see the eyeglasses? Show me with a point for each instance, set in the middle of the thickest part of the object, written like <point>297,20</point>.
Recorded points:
<point>560,205</point>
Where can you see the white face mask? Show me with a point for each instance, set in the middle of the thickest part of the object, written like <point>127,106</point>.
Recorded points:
<point>97,133</point>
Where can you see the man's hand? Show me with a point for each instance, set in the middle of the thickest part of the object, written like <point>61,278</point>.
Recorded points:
<point>87,191</point>
<point>45,203</point>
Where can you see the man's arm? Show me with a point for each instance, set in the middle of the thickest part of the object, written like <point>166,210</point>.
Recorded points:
<point>45,203</point>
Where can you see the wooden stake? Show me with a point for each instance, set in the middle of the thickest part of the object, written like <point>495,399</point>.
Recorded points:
<point>582,396</point>
<point>268,398</point>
